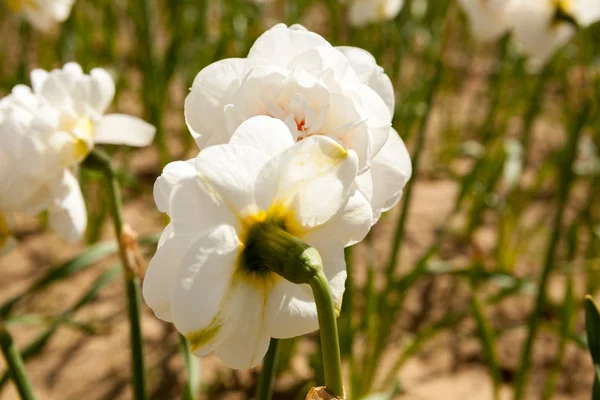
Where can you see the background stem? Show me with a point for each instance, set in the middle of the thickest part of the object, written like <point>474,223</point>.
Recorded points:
<point>266,382</point>
<point>15,365</point>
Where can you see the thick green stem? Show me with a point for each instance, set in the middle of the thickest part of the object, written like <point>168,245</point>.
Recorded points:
<point>100,161</point>
<point>15,365</point>
<point>264,391</point>
<point>330,345</point>
<point>565,184</point>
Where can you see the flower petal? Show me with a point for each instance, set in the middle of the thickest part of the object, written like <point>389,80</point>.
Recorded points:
<point>229,172</point>
<point>390,169</point>
<point>349,226</point>
<point>370,73</point>
<point>269,135</point>
<point>69,216</point>
<point>311,179</point>
<point>124,129</point>
<point>287,42</point>
<point>201,294</point>
<point>291,309</point>
<point>248,339</point>
<point>161,274</point>
<point>102,89</point>
<point>173,173</point>
<point>211,92</point>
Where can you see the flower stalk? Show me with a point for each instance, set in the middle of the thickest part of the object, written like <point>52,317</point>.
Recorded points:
<point>100,161</point>
<point>264,391</point>
<point>15,365</point>
<point>299,263</point>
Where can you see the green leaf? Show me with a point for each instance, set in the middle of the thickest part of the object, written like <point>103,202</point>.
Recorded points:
<point>592,328</point>
<point>488,342</point>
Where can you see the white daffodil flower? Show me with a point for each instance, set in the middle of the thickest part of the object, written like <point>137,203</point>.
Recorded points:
<point>205,277</point>
<point>487,18</point>
<point>363,12</point>
<point>47,132</point>
<point>541,27</point>
<point>42,14</point>
<point>316,89</point>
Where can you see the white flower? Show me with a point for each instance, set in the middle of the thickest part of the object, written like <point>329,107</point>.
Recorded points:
<point>45,134</point>
<point>487,18</point>
<point>201,277</point>
<point>42,14</point>
<point>363,12</point>
<point>296,76</point>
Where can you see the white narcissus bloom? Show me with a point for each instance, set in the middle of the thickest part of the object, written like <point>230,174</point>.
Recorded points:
<point>47,132</point>
<point>42,14</point>
<point>487,18</point>
<point>363,12</point>
<point>203,277</point>
<point>541,27</point>
<point>316,89</point>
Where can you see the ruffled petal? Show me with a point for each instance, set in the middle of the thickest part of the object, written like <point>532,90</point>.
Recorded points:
<point>269,135</point>
<point>310,180</point>
<point>288,42</point>
<point>204,106</point>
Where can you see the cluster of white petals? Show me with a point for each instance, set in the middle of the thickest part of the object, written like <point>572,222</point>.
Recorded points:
<point>363,12</point>
<point>42,14</point>
<point>316,89</point>
<point>45,133</point>
<point>197,278</point>
<point>296,136</point>
<point>539,27</point>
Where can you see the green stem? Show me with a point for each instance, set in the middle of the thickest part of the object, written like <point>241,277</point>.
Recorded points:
<point>15,365</point>
<point>565,183</point>
<point>191,366</point>
<point>328,331</point>
<point>264,391</point>
<point>101,161</point>
<point>535,105</point>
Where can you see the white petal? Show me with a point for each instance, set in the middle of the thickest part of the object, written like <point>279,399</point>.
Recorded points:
<point>38,76</point>
<point>229,173</point>
<point>69,216</point>
<point>312,179</point>
<point>390,169</point>
<point>291,309</point>
<point>379,119</point>
<point>102,89</point>
<point>487,18</point>
<point>248,340</point>
<point>317,60</point>
<point>173,173</point>
<point>195,208</point>
<point>586,11</point>
<point>210,93</point>
<point>349,226</point>
<point>370,73</point>
<point>162,271</point>
<point>124,129</point>
<point>269,135</point>
<point>202,291</point>
<point>279,45</point>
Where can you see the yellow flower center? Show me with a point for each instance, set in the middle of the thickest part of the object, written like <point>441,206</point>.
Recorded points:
<point>4,231</point>
<point>563,12</point>
<point>82,134</point>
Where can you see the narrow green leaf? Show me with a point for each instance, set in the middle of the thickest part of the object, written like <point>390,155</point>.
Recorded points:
<point>592,328</point>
